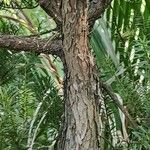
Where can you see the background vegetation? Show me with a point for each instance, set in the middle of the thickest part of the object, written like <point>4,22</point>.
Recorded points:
<point>31,102</point>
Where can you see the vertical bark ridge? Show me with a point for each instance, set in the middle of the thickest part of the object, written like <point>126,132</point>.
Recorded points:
<point>81,115</point>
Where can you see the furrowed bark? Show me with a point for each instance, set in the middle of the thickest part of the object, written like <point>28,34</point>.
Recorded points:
<point>81,126</point>
<point>32,44</point>
<point>95,9</point>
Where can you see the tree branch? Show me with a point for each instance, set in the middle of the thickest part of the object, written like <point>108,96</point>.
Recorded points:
<point>32,44</point>
<point>53,9</point>
<point>54,46</point>
<point>96,9</point>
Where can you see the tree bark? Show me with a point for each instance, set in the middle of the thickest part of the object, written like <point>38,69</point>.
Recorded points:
<point>81,126</point>
<point>95,9</point>
<point>82,93</point>
<point>32,44</point>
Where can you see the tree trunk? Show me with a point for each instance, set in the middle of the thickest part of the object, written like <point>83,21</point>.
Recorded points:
<point>82,121</point>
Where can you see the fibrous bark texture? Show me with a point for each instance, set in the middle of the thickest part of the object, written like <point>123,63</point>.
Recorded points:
<point>29,44</point>
<point>95,9</point>
<point>81,113</point>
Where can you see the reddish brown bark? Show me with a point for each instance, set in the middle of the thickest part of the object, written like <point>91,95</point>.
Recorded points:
<point>81,113</point>
<point>95,9</point>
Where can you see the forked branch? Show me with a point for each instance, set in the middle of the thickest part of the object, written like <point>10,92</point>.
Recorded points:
<point>53,9</point>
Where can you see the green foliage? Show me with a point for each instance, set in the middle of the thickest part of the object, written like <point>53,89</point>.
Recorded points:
<point>23,87</point>
<point>31,103</point>
<point>120,41</point>
<point>140,139</point>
